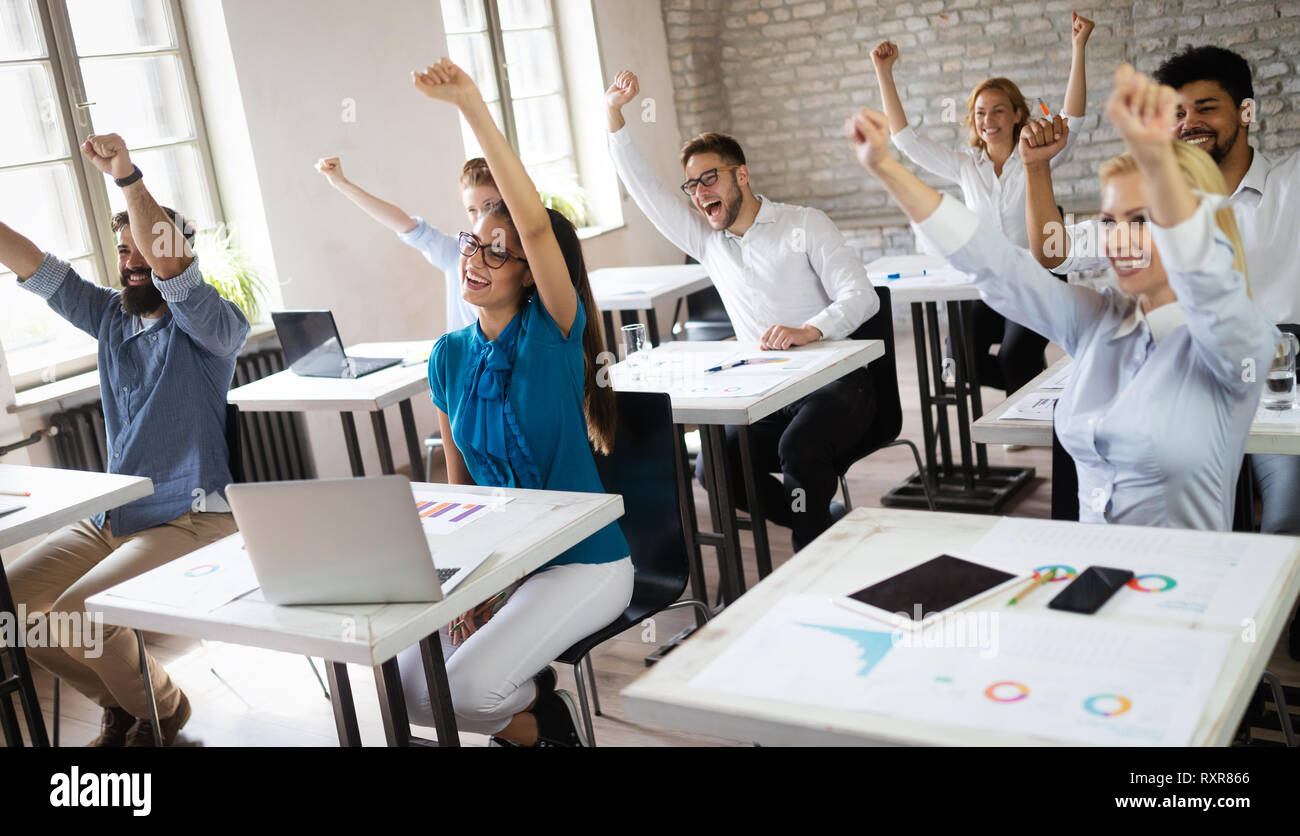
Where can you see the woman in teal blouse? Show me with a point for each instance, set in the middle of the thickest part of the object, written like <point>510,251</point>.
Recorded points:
<point>519,407</point>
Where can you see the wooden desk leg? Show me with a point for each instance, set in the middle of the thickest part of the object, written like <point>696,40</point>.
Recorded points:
<point>412,442</point>
<point>392,706</point>
<point>380,426</point>
<point>435,674</point>
<point>757,522</point>
<point>148,689</point>
<point>26,691</point>
<point>354,447</point>
<point>713,442</point>
<point>345,712</point>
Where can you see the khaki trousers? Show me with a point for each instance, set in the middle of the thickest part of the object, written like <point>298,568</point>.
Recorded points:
<point>72,564</point>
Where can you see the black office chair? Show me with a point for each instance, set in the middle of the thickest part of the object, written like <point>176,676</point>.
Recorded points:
<point>706,316</point>
<point>644,469</point>
<point>888,421</point>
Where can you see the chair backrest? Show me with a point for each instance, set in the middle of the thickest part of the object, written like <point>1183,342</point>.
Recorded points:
<point>888,420</point>
<point>643,468</point>
<point>235,444</point>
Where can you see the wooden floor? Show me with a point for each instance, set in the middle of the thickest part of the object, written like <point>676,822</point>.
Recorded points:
<point>247,697</point>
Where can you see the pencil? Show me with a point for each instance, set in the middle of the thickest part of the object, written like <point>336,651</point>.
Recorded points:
<point>1039,580</point>
<point>15,493</point>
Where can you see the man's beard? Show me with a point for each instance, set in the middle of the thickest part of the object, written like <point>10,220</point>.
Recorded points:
<point>732,204</point>
<point>1220,150</point>
<point>139,300</point>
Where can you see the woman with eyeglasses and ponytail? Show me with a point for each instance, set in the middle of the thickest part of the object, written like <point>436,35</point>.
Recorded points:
<point>519,407</point>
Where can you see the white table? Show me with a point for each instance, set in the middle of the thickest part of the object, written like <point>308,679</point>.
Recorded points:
<point>969,483</point>
<point>992,428</point>
<point>289,392</point>
<point>58,498</point>
<point>714,414</point>
<point>637,289</point>
<point>868,545</point>
<point>373,634</point>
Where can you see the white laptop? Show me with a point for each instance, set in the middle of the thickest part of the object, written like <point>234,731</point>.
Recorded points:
<point>345,541</point>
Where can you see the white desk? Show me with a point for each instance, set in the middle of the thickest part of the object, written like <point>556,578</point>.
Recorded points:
<point>374,634</point>
<point>994,429</point>
<point>714,414</point>
<point>968,483</point>
<point>288,392</point>
<point>868,545</point>
<point>637,289</point>
<point>58,498</point>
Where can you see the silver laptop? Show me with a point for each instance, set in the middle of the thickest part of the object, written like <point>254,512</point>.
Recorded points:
<point>345,541</point>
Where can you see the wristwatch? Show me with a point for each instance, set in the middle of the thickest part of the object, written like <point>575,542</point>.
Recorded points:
<point>133,177</point>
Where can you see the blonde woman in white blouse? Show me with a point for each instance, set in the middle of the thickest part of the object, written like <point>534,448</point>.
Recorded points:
<point>1168,372</point>
<point>992,182</point>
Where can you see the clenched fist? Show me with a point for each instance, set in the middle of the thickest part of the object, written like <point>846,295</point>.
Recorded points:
<point>108,154</point>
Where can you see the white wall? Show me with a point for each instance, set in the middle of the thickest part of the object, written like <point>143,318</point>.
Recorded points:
<point>284,69</point>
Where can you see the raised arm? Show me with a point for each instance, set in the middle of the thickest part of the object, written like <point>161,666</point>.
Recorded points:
<point>447,82</point>
<point>663,205</point>
<point>1007,276</point>
<point>1041,140</point>
<point>1076,89</point>
<point>19,254</point>
<point>884,56</point>
<point>386,213</point>
<point>161,244</point>
<point>1226,326</point>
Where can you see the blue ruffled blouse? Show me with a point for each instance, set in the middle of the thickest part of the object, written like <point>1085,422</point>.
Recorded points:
<point>516,412</point>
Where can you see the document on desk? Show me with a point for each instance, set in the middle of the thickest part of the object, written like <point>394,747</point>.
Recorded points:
<point>1036,406</point>
<point>1180,576</point>
<point>685,378</point>
<point>446,512</point>
<point>205,579</point>
<point>1061,679</point>
<point>758,361</point>
<point>1060,379</point>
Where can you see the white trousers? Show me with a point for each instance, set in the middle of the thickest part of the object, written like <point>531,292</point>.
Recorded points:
<point>491,673</point>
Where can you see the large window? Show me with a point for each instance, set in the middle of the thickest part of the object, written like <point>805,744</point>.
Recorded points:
<point>512,51</point>
<point>70,68</point>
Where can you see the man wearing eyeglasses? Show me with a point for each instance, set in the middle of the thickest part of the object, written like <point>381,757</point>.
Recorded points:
<point>786,278</point>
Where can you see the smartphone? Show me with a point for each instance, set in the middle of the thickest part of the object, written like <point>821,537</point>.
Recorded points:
<point>1090,590</point>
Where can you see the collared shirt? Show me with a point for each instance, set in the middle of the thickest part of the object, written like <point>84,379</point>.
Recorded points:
<point>791,267</point>
<point>1157,412</point>
<point>163,389</point>
<point>443,251</point>
<point>1000,199</point>
<point>1266,204</point>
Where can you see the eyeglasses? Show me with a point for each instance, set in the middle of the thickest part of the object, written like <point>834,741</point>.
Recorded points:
<point>493,255</point>
<point>708,178</point>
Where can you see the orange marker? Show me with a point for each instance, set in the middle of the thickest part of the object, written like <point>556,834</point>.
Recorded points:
<point>1046,112</point>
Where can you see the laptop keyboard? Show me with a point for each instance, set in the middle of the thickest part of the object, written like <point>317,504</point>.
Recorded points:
<point>444,575</point>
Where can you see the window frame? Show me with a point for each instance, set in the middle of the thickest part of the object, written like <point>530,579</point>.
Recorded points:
<point>55,24</point>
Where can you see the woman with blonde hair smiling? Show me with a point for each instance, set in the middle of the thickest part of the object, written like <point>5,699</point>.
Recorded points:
<point>1166,378</point>
<point>993,184</point>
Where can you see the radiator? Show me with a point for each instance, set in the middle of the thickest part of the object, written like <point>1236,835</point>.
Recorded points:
<point>273,444</point>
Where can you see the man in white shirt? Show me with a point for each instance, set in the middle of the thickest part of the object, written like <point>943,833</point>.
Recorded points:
<point>786,278</point>
<point>1215,111</point>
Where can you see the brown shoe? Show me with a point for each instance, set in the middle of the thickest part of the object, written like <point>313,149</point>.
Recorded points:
<point>113,728</point>
<point>141,733</point>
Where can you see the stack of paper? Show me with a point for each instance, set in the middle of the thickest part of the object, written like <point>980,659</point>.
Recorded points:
<point>1036,406</point>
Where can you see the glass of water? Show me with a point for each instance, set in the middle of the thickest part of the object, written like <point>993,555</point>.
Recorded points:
<point>1279,388</point>
<point>634,348</point>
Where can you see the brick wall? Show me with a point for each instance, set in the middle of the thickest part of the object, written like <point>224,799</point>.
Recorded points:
<point>782,75</point>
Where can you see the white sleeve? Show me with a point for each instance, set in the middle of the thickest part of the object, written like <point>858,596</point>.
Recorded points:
<point>937,159</point>
<point>663,206</point>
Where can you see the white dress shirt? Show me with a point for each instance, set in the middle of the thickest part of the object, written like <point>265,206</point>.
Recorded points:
<point>1000,199</point>
<point>1267,206</point>
<point>1159,407</point>
<point>791,267</point>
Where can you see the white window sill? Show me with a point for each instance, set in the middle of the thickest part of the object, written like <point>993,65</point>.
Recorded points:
<point>87,383</point>
<point>588,232</point>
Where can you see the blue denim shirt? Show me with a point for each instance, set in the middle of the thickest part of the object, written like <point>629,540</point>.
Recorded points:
<point>163,389</point>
